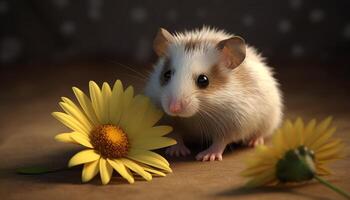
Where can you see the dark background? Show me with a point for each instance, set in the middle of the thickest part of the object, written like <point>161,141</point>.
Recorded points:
<point>38,32</point>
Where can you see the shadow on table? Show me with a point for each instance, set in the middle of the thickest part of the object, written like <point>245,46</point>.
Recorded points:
<point>196,148</point>
<point>57,161</point>
<point>59,173</point>
<point>266,190</point>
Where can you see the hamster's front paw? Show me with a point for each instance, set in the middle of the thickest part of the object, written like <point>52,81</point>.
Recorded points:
<point>213,153</point>
<point>178,149</point>
<point>256,141</point>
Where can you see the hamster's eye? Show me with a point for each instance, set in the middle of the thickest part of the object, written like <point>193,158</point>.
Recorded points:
<point>167,75</point>
<point>202,81</point>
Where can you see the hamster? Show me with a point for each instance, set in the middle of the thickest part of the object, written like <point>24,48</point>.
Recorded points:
<point>213,85</point>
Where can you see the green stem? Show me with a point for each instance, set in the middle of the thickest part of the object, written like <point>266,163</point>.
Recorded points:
<point>333,187</point>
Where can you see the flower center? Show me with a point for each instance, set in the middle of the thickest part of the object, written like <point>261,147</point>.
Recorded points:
<point>110,141</point>
<point>296,165</point>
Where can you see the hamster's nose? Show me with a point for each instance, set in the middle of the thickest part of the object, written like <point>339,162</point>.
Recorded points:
<point>176,106</point>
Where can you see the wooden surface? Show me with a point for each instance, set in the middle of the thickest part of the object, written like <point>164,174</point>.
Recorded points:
<point>27,130</point>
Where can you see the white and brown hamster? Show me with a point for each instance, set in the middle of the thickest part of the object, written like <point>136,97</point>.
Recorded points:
<point>215,86</point>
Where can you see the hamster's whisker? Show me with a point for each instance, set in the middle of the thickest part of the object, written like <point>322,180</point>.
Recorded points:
<point>189,96</point>
<point>209,115</point>
<point>148,72</point>
<point>134,76</point>
<point>205,132</point>
<point>131,69</point>
<point>203,129</point>
<point>221,127</point>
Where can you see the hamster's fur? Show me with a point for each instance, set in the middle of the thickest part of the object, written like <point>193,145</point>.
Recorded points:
<point>241,102</point>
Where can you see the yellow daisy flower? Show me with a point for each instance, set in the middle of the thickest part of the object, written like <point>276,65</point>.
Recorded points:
<point>118,131</point>
<point>298,153</point>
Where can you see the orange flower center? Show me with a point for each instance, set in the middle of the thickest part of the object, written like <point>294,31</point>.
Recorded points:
<point>110,141</point>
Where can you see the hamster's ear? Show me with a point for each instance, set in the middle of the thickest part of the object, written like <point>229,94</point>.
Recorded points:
<point>162,41</point>
<point>233,51</point>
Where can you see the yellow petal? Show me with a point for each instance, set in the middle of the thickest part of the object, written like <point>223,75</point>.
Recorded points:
<point>136,168</point>
<point>127,117</point>
<point>116,102</point>
<point>262,179</point>
<point>153,116</point>
<point>330,145</point>
<point>308,133</point>
<point>72,104</point>
<point>120,168</point>
<point>299,129</point>
<point>84,156</point>
<point>85,103</point>
<point>324,125</point>
<point>259,162</point>
<point>70,122</point>
<point>156,131</point>
<point>65,137</point>
<point>147,153</point>
<point>265,153</point>
<point>322,170</point>
<point>106,171</point>
<point>151,170</point>
<point>330,154</point>
<point>106,96</point>
<point>136,115</point>
<point>97,101</point>
<point>77,114</point>
<point>288,134</point>
<point>127,98</point>
<point>318,131</point>
<point>151,160</point>
<point>278,142</point>
<point>90,170</point>
<point>81,139</point>
<point>322,139</point>
<point>128,171</point>
<point>152,143</point>
<point>253,171</point>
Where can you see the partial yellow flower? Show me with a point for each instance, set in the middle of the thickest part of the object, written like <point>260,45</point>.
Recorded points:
<point>298,152</point>
<point>118,131</point>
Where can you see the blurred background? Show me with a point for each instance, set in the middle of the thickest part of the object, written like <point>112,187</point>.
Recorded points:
<point>48,46</point>
<point>71,42</point>
<point>58,31</point>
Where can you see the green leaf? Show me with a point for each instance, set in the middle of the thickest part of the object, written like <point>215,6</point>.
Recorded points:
<point>36,170</point>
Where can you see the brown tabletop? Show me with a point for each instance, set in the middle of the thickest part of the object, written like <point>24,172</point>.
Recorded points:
<point>27,129</point>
